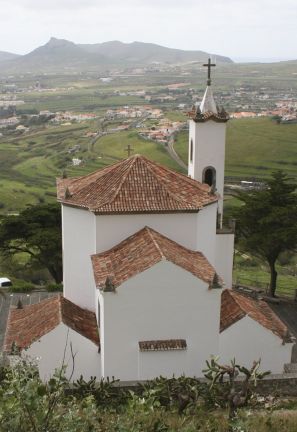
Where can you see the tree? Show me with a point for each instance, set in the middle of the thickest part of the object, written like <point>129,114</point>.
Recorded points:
<point>266,223</point>
<point>37,232</point>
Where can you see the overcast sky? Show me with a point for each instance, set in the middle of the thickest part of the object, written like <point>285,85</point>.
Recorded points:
<point>247,29</point>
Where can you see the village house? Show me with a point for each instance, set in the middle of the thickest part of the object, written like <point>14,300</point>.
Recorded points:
<point>11,121</point>
<point>147,272</point>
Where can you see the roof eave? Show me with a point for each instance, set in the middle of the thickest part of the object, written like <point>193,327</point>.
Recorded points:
<point>99,212</point>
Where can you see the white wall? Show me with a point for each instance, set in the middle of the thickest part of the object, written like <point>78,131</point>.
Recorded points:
<point>206,232</point>
<point>224,257</point>
<point>196,231</point>
<point>79,242</point>
<point>49,352</point>
<point>208,150</point>
<point>85,234</point>
<point>164,302</point>
<point>112,229</point>
<point>152,364</point>
<point>247,340</point>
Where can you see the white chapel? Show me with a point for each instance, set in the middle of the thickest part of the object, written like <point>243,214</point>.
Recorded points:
<point>147,272</point>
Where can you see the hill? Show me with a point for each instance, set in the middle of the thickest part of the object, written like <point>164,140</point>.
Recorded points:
<point>147,53</point>
<point>4,56</point>
<point>55,54</point>
<point>60,54</point>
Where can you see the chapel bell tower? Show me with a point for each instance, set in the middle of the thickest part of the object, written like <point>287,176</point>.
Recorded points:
<point>207,136</point>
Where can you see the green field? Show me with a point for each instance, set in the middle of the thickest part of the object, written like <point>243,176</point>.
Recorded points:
<point>254,148</point>
<point>30,163</point>
<point>75,101</point>
<point>115,144</point>
<point>255,272</point>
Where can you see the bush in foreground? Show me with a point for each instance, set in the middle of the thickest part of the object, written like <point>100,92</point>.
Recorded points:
<point>29,405</point>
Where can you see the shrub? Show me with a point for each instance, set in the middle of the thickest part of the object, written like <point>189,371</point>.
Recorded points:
<point>22,286</point>
<point>104,392</point>
<point>52,287</point>
<point>179,392</point>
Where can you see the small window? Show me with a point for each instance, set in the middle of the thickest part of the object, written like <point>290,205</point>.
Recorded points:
<point>191,150</point>
<point>209,176</point>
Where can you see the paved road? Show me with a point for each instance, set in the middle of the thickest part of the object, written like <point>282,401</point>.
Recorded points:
<point>12,300</point>
<point>174,155</point>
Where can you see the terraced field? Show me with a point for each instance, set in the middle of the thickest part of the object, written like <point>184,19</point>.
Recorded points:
<point>30,163</point>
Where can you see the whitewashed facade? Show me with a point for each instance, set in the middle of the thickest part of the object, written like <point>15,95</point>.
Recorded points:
<point>247,340</point>
<point>164,302</point>
<point>48,353</point>
<point>95,234</point>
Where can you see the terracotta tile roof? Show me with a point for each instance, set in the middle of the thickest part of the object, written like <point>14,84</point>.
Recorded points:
<point>198,117</point>
<point>135,185</point>
<point>25,326</point>
<point>235,306</point>
<point>163,345</point>
<point>141,251</point>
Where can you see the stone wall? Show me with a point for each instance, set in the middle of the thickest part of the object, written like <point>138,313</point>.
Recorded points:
<point>276,385</point>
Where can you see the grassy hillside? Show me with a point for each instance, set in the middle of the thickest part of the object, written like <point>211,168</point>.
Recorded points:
<point>114,145</point>
<point>255,148</point>
<point>30,163</point>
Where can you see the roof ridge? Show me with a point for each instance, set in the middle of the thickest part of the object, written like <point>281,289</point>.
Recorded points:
<point>170,193</point>
<point>237,301</point>
<point>107,168</point>
<point>100,175</point>
<point>133,160</point>
<point>178,174</point>
<point>136,184</point>
<point>150,233</point>
<point>263,309</point>
<point>131,164</point>
<point>125,240</point>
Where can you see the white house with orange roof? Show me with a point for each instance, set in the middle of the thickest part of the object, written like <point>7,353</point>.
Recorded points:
<point>146,256</point>
<point>152,296</point>
<point>109,205</point>
<point>53,333</point>
<point>250,330</point>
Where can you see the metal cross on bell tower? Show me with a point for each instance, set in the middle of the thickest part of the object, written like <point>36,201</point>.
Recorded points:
<point>209,65</point>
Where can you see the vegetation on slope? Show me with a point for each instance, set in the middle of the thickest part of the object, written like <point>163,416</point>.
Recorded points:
<point>178,404</point>
<point>254,148</point>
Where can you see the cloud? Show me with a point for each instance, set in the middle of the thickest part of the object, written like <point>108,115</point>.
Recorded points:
<point>40,5</point>
<point>239,28</point>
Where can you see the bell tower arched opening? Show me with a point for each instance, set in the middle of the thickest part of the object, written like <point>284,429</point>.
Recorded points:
<point>209,176</point>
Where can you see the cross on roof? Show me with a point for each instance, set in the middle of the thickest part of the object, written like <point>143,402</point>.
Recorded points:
<point>209,65</point>
<point>129,149</point>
